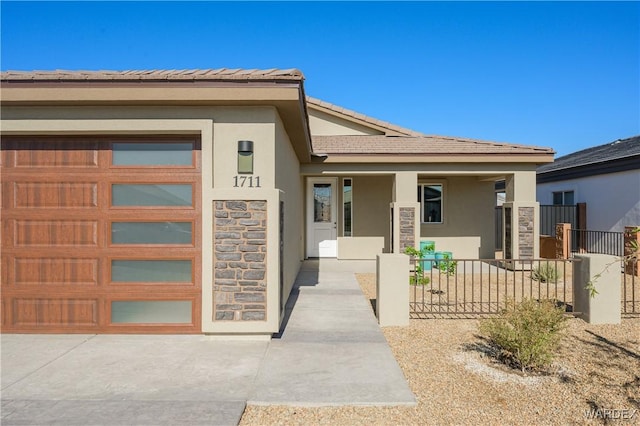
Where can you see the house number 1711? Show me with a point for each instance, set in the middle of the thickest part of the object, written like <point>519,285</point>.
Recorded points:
<point>246,181</point>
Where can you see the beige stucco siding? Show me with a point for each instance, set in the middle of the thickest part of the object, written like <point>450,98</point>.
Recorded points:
<point>468,228</point>
<point>288,180</point>
<point>371,201</point>
<point>230,125</point>
<point>323,124</point>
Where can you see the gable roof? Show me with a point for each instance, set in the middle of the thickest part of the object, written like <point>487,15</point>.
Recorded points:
<point>219,74</point>
<point>384,126</point>
<point>399,144</point>
<point>616,156</point>
<point>395,141</point>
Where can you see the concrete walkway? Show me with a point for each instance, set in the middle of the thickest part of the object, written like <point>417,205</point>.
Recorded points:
<point>331,352</point>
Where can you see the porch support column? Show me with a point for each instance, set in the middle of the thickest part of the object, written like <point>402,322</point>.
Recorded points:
<point>405,212</point>
<point>521,215</point>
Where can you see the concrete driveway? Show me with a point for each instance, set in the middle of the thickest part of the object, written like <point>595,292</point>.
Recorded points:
<point>330,353</point>
<point>126,380</point>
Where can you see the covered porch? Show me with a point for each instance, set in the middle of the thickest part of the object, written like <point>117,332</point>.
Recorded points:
<point>358,211</point>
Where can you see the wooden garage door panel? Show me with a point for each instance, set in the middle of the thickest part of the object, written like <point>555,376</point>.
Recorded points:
<point>55,195</point>
<point>55,153</point>
<point>54,312</point>
<point>49,271</point>
<point>57,209</point>
<point>47,233</point>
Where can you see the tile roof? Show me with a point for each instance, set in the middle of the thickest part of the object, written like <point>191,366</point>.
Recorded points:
<point>362,117</point>
<point>220,74</point>
<point>416,145</point>
<point>613,151</point>
<point>398,140</point>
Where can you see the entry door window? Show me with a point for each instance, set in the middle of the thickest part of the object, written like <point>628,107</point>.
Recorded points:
<point>322,202</point>
<point>347,198</point>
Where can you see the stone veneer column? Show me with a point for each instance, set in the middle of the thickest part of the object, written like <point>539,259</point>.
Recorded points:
<point>407,228</point>
<point>526,232</point>
<point>240,249</point>
<point>521,232</point>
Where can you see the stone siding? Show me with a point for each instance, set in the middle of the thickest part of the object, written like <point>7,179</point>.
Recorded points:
<point>407,228</point>
<point>525,232</point>
<point>240,264</point>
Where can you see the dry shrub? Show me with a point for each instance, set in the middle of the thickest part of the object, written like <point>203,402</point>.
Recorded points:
<point>527,335</point>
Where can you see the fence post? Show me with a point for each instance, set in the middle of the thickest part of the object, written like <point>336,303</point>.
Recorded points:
<point>630,235</point>
<point>392,289</point>
<point>563,240</point>
<point>581,226</point>
<point>604,307</point>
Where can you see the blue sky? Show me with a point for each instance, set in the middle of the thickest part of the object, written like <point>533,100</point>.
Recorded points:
<point>559,74</point>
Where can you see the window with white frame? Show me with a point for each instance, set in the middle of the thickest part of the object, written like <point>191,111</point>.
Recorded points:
<point>565,198</point>
<point>347,204</point>
<point>430,197</point>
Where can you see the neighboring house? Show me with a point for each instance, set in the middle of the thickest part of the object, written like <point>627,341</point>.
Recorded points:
<point>605,177</point>
<point>185,201</point>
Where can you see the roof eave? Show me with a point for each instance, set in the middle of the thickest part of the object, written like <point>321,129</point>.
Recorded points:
<point>437,158</point>
<point>287,96</point>
<point>592,169</point>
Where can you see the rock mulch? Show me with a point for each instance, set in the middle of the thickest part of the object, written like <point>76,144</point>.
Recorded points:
<point>455,382</point>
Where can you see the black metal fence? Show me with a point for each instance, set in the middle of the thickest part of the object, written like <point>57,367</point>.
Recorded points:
<point>466,288</point>
<point>471,288</point>
<point>550,215</point>
<point>598,242</point>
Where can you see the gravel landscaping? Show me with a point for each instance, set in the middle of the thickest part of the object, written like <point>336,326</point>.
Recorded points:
<point>455,382</point>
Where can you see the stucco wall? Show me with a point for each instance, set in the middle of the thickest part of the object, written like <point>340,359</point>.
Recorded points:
<point>468,228</point>
<point>323,124</point>
<point>613,200</point>
<point>288,180</point>
<point>371,214</point>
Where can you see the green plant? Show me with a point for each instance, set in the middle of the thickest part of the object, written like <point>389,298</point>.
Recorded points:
<point>413,252</point>
<point>418,278</point>
<point>447,266</point>
<point>429,247</point>
<point>527,334</point>
<point>545,273</point>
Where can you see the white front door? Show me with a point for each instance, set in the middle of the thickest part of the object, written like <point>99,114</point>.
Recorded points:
<point>322,218</point>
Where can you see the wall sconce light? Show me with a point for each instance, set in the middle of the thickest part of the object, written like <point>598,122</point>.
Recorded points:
<point>245,157</point>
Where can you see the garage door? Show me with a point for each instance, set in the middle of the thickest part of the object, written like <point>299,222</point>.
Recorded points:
<point>101,235</point>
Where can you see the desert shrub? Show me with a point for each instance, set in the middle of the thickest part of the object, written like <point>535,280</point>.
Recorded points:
<point>545,273</point>
<point>527,335</point>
